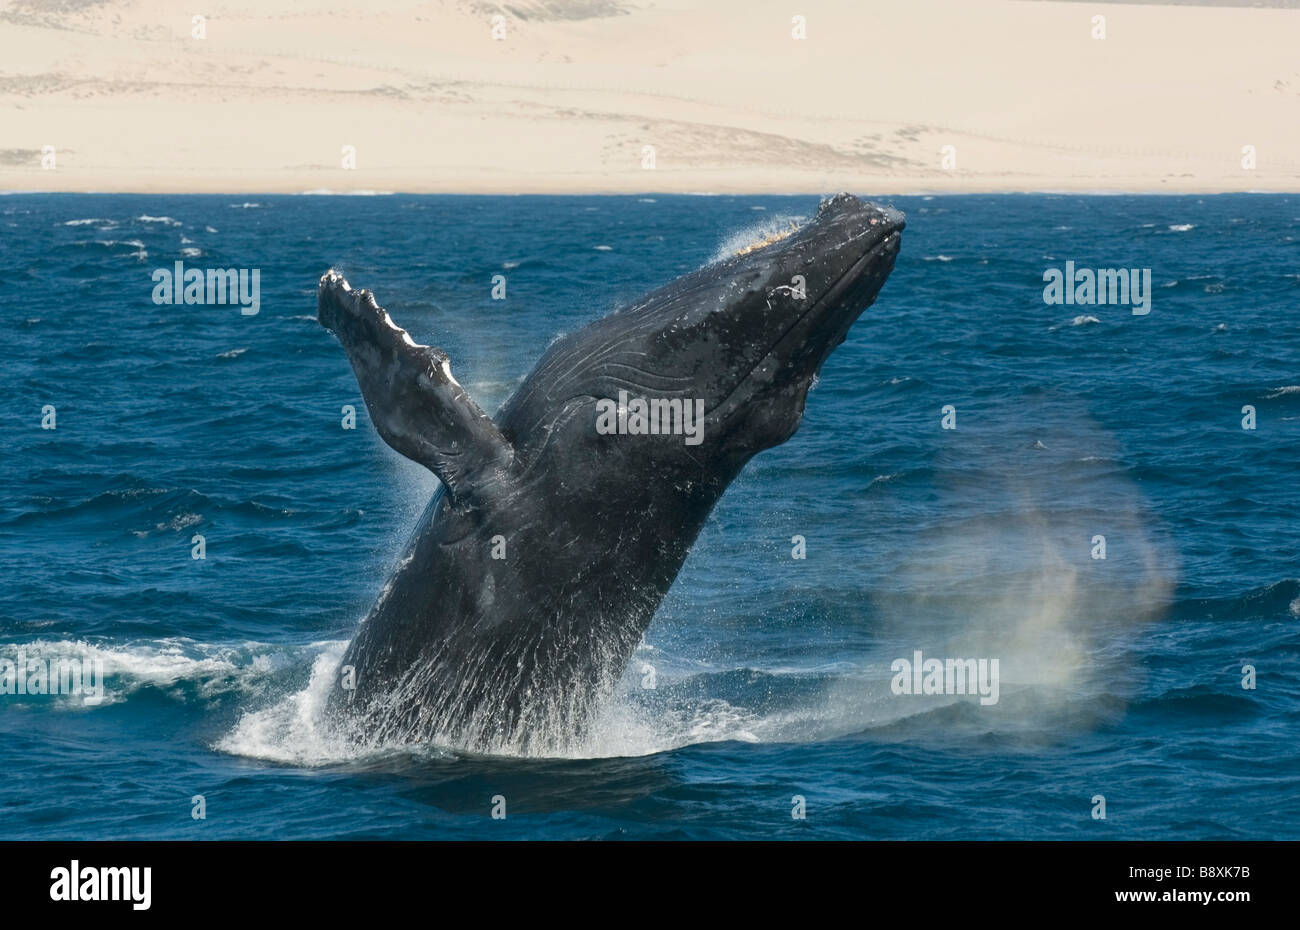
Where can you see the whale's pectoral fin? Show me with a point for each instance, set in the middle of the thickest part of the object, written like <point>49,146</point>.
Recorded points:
<point>416,405</point>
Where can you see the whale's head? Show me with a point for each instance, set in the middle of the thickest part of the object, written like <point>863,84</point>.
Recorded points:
<point>740,340</point>
<point>776,312</point>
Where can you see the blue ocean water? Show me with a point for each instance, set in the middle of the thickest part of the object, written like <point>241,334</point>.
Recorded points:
<point>1120,677</point>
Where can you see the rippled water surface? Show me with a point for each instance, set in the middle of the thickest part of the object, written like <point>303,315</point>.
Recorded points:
<point>1119,677</point>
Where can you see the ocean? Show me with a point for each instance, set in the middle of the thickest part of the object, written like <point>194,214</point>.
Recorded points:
<point>966,458</point>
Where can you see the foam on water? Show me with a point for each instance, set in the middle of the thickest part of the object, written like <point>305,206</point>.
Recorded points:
<point>1080,320</point>
<point>161,664</point>
<point>294,729</point>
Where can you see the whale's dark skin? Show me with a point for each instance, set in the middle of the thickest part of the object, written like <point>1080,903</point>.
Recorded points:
<point>516,654</point>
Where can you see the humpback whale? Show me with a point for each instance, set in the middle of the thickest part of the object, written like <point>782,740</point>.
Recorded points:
<point>561,522</point>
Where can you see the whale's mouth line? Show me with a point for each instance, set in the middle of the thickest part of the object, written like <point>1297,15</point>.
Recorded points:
<point>834,292</point>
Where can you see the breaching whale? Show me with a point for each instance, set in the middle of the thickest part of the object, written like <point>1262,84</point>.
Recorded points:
<point>563,520</point>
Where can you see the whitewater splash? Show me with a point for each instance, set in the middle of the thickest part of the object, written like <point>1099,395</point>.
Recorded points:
<point>297,729</point>
<point>286,722</point>
<point>754,236</point>
<point>1053,563</point>
<point>1083,319</point>
<point>294,729</point>
<point>162,664</point>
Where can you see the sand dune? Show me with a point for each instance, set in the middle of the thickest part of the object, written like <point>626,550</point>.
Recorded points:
<point>570,98</point>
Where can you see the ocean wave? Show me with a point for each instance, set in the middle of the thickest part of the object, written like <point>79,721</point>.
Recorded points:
<point>181,521</point>
<point>103,501</point>
<point>138,248</point>
<point>114,243</point>
<point>196,669</point>
<point>1199,703</point>
<point>158,506</point>
<point>1270,602</point>
<point>1081,320</point>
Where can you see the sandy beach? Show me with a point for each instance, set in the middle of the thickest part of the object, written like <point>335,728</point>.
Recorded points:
<point>577,96</point>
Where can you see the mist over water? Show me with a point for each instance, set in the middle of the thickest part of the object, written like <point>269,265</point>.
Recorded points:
<point>1118,676</point>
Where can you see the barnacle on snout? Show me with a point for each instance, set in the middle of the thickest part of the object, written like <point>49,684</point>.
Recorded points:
<point>768,239</point>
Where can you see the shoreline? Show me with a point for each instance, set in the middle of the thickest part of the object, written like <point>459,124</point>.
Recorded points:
<point>601,96</point>
<point>865,192</point>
